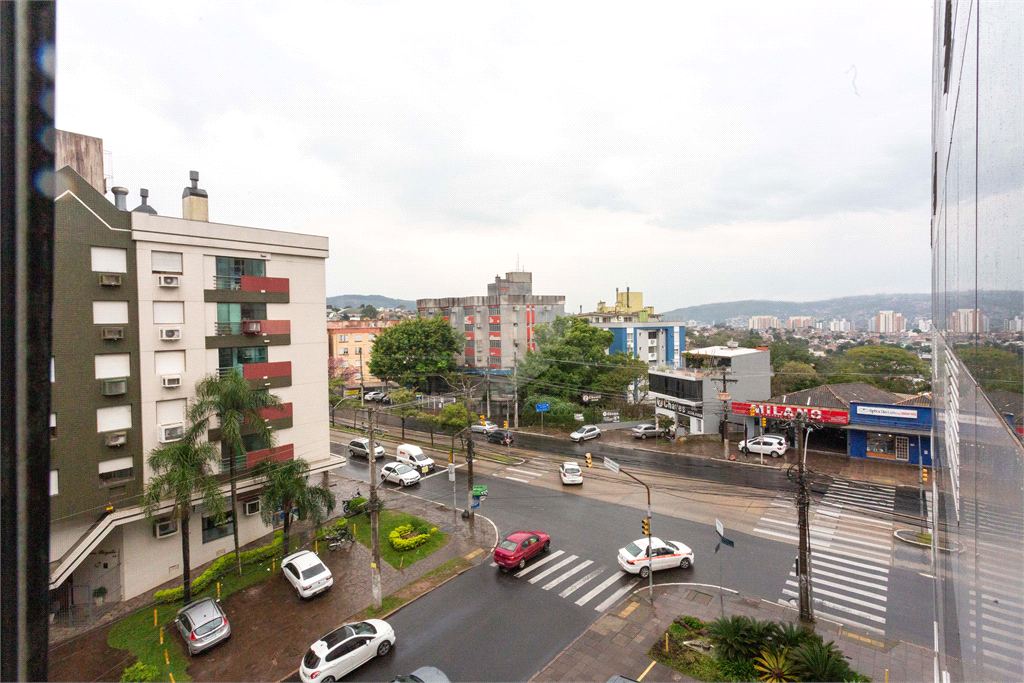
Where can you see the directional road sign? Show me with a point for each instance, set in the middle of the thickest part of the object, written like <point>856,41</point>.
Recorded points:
<point>543,407</point>
<point>451,471</point>
<point>479,490</point>
<point>719,528</point>
<point>611,464</point>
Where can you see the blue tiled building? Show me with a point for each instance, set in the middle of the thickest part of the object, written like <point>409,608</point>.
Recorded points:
<point>900,432</point>
<point>656,342</point>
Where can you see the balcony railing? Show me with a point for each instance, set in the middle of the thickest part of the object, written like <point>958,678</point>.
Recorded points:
<point>227,282</point>
<point>224,372</point>
<point>239,327</point>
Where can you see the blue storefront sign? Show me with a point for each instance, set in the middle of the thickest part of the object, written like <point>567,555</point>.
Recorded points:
<point>898,433</point>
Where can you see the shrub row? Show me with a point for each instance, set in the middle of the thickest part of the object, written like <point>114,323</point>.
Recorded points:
<point>331,529</point>
<point>399,543</point>
<point>140,673</point>
<point>221,566</point>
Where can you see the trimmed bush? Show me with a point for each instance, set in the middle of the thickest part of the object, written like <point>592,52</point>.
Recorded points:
<point>356,505</point>
<point>331,529</point>
<point>221,566</point>
<point>693,623</point>
<point>399,543</point>
<point>140,673</point>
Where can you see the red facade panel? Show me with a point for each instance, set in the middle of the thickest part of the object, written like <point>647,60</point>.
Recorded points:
<point>277,412</point>
<point>267,370</point>
<point>469,320</point>
<point>251,283</point>
<point>279,454</point>
<point>495,352</point>
<point>494,335</point>
<point>470,336</point>
<point>494,320</point>
<point>276,326</point>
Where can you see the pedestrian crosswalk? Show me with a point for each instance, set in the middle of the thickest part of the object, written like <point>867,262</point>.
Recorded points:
<point>851,551</point>
<point>601,587</point>
<point>521,475</point>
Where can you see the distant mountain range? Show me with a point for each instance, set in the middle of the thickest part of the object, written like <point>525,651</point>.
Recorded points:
<point>343,301</point>
<point>996,304</point>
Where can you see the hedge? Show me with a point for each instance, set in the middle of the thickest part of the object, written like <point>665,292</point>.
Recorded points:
<point>399,543</point>
<point>140,673</point>
<point>221,566</point>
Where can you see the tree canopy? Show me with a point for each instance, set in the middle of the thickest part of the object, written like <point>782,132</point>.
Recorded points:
<point>415,349</point>
<point>570,360</point>
<point>795,376</point>
<point>886,367</point>
<point>994,369</point>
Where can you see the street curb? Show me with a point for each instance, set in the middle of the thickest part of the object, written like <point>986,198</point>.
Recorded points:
<point>943,549</point>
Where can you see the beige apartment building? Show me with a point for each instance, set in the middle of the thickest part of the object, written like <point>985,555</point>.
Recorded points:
<point>350,345</point>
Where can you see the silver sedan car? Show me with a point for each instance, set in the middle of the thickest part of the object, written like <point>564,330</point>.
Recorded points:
<point>203,624</point>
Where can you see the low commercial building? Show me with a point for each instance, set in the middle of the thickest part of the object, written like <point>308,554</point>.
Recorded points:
<point>498,327</point>
<point>689,395</point>
<point>899,431</point>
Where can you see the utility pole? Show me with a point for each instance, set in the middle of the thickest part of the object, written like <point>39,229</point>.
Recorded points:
<point>724,398</point>
<point>803,504</point>
<point>488,375</point>
<point>374,520</point>
<point>515,383</point>
<point>469,451</point>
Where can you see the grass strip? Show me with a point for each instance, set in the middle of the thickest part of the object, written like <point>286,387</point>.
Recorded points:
<point>389,519</point>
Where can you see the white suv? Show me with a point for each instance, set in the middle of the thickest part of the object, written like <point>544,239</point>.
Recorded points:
<point>769,444</point>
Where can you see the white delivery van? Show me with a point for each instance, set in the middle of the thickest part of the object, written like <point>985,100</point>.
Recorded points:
<point>413,456</point>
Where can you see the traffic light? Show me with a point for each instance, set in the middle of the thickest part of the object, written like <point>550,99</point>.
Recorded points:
<point>481,419</point>
<point>506,424</point>
<point>764,421</point>
<point>647,526</point>
<point>590,461</point>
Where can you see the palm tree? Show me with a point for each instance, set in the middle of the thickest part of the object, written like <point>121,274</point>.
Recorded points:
<point>183,470</point>
<point>238,407</point>
<point>285,486</point>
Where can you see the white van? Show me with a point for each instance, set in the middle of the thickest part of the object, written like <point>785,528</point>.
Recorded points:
<point>413,455</point>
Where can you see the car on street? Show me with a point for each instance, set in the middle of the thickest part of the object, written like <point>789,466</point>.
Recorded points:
<point>424,674</point>
<point>503,437</point>
<point>345,649</point>
<point>399,473</point>
<point>664,555</point>
<point>585,432</point>
<point>519,547</point>
<point>306,573</point>
<point>203,624</point>
<point>769,444</point>
<point>414,457</point>
<point>372,396</point>
<point>644,431</point>
<point>570,473</point>
<point>361,447</point>
<point>486,428</point>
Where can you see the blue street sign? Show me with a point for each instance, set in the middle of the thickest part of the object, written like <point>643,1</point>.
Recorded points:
<point>476,504</point>
<point>543,407</point>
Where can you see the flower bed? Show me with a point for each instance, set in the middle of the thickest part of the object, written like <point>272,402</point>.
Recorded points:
<point>401,538</point>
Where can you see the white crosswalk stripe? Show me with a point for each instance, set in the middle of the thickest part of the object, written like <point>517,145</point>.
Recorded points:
<point>523,476</point>
<point>851,550</point>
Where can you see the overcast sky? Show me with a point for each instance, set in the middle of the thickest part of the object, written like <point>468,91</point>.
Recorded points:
<point>697,152</point>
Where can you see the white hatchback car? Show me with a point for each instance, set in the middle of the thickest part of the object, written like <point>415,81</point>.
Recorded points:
<point>664,555</point>
<point>306,573</point>
<point>585,432</point>
<point>399,473</point>
<point>769,444</point>
<point>570,473</point>
<point>345,649</point>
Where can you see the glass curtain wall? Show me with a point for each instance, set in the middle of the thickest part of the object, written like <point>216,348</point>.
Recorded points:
<point>977,233</point>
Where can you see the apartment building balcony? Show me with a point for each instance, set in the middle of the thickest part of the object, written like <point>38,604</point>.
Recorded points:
<point>279,454</point>
<point>279,417</point>
<point>250,333</point>
<point>248,289</point>
<point>262,375</point>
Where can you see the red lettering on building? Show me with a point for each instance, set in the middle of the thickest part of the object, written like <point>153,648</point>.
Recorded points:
<point>494,319</point>
<point>787,412</point>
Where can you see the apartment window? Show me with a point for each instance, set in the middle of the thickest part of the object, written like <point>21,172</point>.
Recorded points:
<point>169,362</point>
<point>170,412</point>
<point>359,350</point>
<point>213,531</point>
<point>116,470</point>
<point>493,310</point>
<point>54,482</point>
<point>109,260</point>
<point>53,370</point>
<point>344,351</point>
<point>114,418</point>
<point>110,312</point>
<point>254,442</point>
<point>166,262</point>
<point>110,365</point>
<point>495,343</point>
<point>242,356</point>
<point>228,266</point>
<point>495,328</point>
<point>168,312</point>
<point>343,337</point>
<point>468,327</point>
<point>359,338</point>
<point>53,425</point>
<point>359,363</point>
<point>239,312</point>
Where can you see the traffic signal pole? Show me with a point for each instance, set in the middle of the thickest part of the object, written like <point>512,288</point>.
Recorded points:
<point>803,500</point>
<point>374,521</point>
<point>646,525</point>
<point>469,453</point>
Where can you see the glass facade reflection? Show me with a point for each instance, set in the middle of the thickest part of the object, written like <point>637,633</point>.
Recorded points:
<point>977,237</point>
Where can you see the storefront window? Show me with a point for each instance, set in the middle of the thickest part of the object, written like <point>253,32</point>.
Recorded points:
<point>883,444</point>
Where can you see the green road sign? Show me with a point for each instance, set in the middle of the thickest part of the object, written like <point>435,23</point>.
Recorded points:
<point>479,490</point>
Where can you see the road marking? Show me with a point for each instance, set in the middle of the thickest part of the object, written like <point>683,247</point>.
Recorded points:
<point>538,564</point>
<point>876,643</point>
<point>840,596</point>
<point>526,472</point>
<point>582,582</point>
<point>474,553</point>
<point>629,609</point>
<point>524,481</point>
<point>841,586</point>
<point>494,564</point>
<point>616,595</point>
<point>569,573</point>
<point>649,667</point>
<point>843,577</point>
<point>440,471</point>
<point>553,568</point>
<point>604,584</point>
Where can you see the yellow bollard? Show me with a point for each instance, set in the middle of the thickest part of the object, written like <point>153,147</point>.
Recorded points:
<point>316,547</point>
<point>167,660</point>
<point>666,642</point>
<point>171,675</point>
<point>218,590</point>
<point>161,635</point>
<point>273,565</point>
<point>886,676</point>
<point>154,618</point>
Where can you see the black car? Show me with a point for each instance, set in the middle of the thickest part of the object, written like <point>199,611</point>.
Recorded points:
<point>501,436</point>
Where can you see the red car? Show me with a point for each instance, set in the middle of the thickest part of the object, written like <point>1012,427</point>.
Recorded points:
<point>517,548</point>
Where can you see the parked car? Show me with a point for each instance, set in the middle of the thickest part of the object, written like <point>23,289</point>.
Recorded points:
<point>570,473</point>
<point>386,399</point>
<point>520,546</point>
<point>585,432</point>
<point>306,573</point>
<point>372,396</point>
<point>664,555</point>
<point>345,649</point>
<point>501,436</point>
<point>415,458</point>
<point>485,428</point>
<point>361,447</point>
<point>203,624</point>
<point>769,444</point>
<point>424,674</point>
<point>399,473</point>
<point>644,431</point>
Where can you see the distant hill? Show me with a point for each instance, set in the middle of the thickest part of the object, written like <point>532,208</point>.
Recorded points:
<point>343,301</point>
<point>997,304</point>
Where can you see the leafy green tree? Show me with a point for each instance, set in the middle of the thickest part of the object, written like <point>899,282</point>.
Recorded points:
<point>404,407</point>
<point>238,408</point>
<point>182,470</point>
<point>570,360</point>
<point>415,349</point>
<point>452,420</point>
<point>783,352</point>
<point>368,312</point>
<point>794,376</point>
<point>886,367</point>
<point>286,487</point>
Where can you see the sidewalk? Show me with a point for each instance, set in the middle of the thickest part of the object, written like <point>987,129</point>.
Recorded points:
<point>618,642</point>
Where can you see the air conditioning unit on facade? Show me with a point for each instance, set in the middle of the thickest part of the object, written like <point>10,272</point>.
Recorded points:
<point>110,280</point>
<point>251,326</point>
<point>171,381</point>
<point>115,386</point>
<point>115,439</point>
<point>515,308</point>
<point>165,527</point>
<point>170,333</point>
<point>168,280</point>
<point>171,432</point>
<point>252,507</point>
<point>112,333</point>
